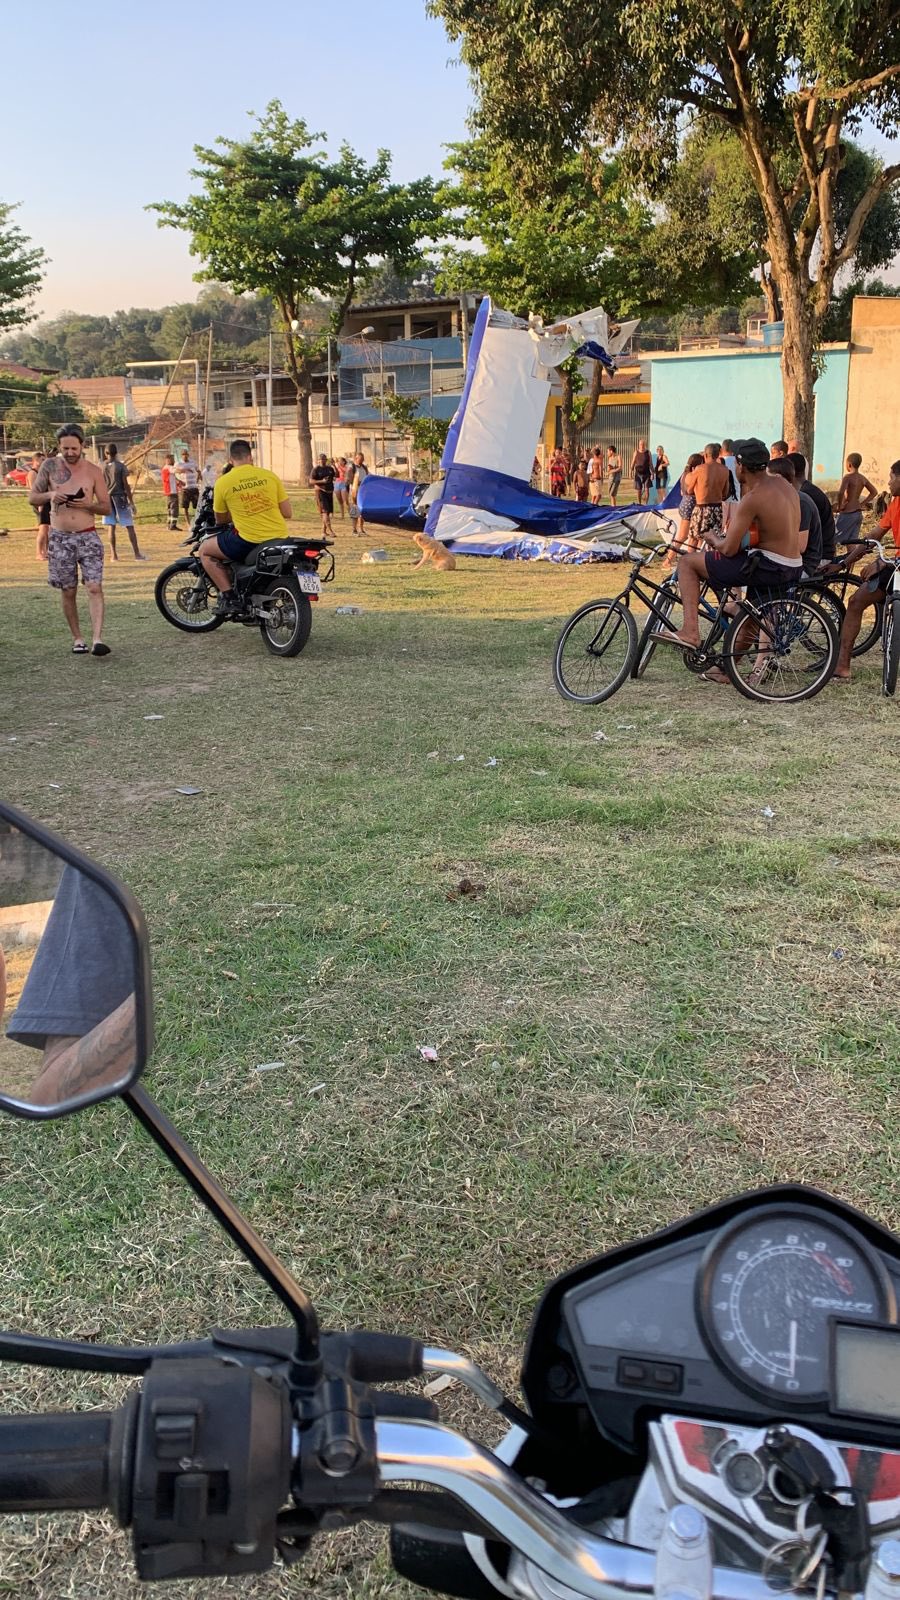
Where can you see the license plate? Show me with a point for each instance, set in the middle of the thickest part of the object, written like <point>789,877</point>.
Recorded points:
<point>309,582</point>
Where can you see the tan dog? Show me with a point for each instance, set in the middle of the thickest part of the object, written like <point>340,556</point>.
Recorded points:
<point>433,550</point>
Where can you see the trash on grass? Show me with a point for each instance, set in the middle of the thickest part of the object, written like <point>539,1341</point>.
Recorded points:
<point>374,555</point>
<point>188,789</point>
<point>348,611</point>
<point>427,1052</point>
<point>155,716</point>
<point>492,761</point>
<point>767,812</point>
<point>600,737</point>
<point>317,1088</point>
<point>438,1385</point>
<point>270,1066</point>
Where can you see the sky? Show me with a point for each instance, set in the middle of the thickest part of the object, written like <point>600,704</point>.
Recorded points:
<point>103,118</point>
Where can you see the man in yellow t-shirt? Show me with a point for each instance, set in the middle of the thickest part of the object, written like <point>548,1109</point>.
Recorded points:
<point>250,506</point>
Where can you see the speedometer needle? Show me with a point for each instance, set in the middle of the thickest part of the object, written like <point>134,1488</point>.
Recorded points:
<point>792,1348</point>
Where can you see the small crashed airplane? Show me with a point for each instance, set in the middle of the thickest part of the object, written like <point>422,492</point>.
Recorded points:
<point>485,505</point>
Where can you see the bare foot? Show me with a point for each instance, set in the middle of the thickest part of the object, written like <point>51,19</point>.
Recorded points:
<point>140,558</point>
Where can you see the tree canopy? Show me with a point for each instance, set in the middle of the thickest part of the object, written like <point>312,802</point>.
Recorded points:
<point>273,214</point>
<point>791,81</point>
<point>21,271</point>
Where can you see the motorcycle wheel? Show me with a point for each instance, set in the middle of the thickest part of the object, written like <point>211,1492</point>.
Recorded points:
<point>185,596</point>
<point>287,631</point>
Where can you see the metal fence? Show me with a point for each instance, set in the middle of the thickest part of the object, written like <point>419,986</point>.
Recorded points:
<point>623,423</point>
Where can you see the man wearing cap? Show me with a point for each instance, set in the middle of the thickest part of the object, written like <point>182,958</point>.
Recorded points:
<point>770,506</point>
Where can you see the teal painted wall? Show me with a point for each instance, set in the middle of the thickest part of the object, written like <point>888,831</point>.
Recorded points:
<point>699,398</point>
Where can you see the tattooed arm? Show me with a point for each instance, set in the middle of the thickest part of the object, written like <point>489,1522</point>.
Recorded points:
<point>102,1058</point>
<point>40,491</point>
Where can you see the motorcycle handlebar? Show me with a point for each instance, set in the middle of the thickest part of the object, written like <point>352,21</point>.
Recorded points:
<point>72,1462</point>
<point>59,1461</point>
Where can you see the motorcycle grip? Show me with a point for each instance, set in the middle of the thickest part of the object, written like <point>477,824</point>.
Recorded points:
<point>58,1461</point>
<point>382,1357</point>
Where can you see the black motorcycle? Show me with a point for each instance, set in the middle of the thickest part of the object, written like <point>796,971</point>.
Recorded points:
<point>711,1413</point>
<point>275,586</point>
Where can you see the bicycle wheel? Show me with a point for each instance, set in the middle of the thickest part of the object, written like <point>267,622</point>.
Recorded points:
<point>792,656</point>
<point>890,640</point>
<point>870,632</point>
<point>647,645</point>
<point>595,652</point>
<point>829,600</point>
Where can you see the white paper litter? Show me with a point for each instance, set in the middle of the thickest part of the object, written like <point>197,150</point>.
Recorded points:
<point>317,1088</point>
<point>600,737</point>
<point>438,1385</point>
<point>270,1066</point>
<point>155,716</point>
<point>626,727</point>
<point>428,1052</point>
<point>188,789</point>
<point>492,761</point>
<point>459,758</point>
<point>767,812</point>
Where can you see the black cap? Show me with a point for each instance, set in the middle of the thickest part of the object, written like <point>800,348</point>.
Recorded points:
<point>752,453</point>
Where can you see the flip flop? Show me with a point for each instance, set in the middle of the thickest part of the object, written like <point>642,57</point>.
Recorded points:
<point>672,638</point>
<point>79,649</point>
<point>100,649</point>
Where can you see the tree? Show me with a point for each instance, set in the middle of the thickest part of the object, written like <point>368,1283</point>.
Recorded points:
<point>274,215</point>
<point>30,412</point>
<point>790,81</point>
<point>838,317</point>
<point>21,271</point>
<point>587,238</point>
<point>424,435</point>
<point>708,187</point>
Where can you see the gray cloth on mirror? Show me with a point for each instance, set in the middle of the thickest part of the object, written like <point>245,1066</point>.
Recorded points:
<point>83,967</point>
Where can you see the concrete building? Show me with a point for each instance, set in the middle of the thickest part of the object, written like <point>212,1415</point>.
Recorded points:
<point>873,410</point>
<point>697,396</point>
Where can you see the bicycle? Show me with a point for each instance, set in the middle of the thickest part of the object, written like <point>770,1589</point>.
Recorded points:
<point>834,589</point>
<point>890,621</point>
<point>777,647</point>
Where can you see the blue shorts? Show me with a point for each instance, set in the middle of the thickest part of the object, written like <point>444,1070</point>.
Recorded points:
<point>121,514</point>
<point>232,545</point>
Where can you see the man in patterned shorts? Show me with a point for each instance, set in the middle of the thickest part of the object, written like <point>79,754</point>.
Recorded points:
<point>77,494</point>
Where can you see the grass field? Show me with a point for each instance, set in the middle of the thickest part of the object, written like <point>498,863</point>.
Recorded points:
<point>657,996</point>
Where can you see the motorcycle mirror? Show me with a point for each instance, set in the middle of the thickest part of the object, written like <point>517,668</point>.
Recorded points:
<point>76,1004</point>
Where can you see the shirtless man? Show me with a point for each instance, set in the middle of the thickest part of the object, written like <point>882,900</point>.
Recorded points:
<point>773,505</point>
<point>850,506</point>
<point>709,484</point>
<point>76,494</point>
<point>877,574</point>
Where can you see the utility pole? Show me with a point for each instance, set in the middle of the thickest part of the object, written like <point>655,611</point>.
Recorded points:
<point>206,395</point>
<point>330,423</point>
<point>269,389</point>
<point>381,370</point>
<point>464,327</point>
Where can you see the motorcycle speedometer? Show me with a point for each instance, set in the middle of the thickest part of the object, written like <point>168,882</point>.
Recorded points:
<point>770,1286</point>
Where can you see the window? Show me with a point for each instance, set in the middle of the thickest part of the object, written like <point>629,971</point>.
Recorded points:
<point>218,399</point>
<point>248,397</point>
<point>372,384</point>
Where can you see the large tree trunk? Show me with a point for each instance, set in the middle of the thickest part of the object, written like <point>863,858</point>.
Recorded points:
<point>569,426</point>
<point>304,436</point>
<point>798,372</point>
